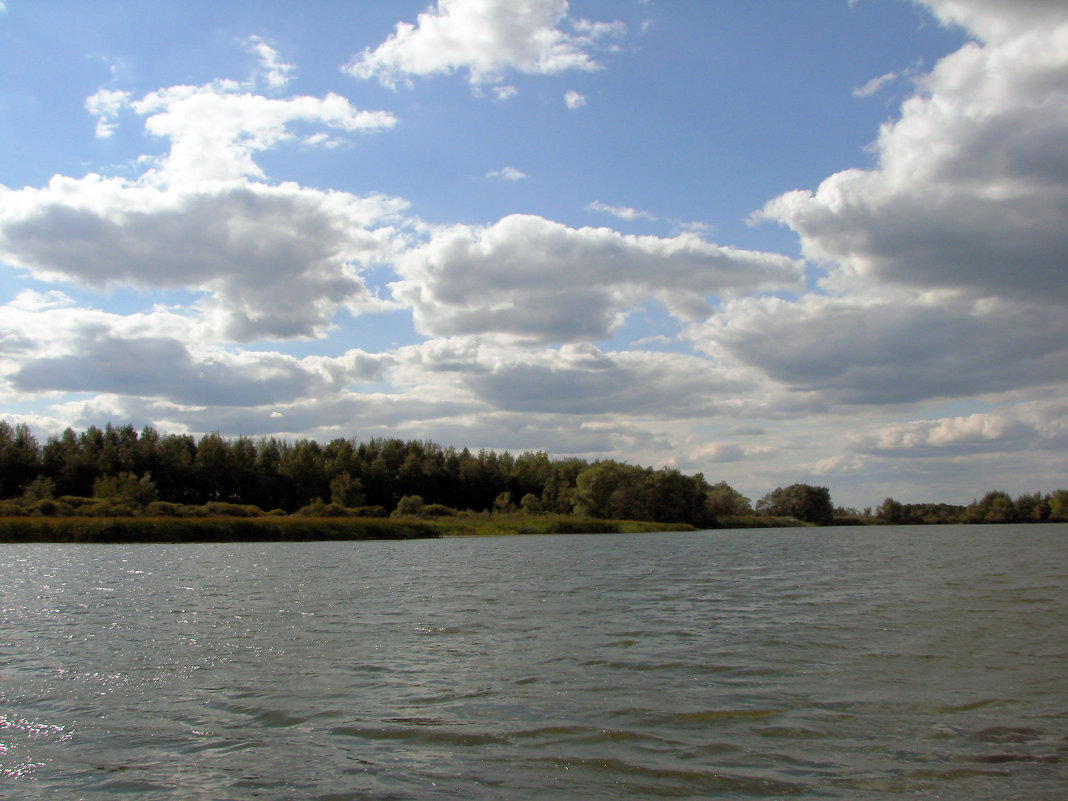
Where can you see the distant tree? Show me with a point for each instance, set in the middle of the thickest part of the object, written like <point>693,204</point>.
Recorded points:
<point>41,488</point>
<point>1058,505</point>
<point>994,507</point>
<point>126,488</point>
<point>530,503</point>
<point>722,499</point>
<point>801,501</point>
<point>347,491</point>
<point>20,458</point>
<point>409,506</point>
<point>890,512</point>
<point>503,503</point>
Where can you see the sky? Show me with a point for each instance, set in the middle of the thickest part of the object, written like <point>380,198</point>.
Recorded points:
<point>771,242</point>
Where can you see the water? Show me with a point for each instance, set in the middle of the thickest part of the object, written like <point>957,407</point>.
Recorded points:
<point>817,663</point>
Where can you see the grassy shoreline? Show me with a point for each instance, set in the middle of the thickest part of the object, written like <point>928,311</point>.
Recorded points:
<point>276,528</point>
<point>207,529</point>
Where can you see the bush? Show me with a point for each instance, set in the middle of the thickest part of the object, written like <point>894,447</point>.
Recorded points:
<point>437,510</point>
<point>408,506</point>
<point>166,509</point>
<point>106,508</point>
<point>46,507</point>
<point>223,509</point>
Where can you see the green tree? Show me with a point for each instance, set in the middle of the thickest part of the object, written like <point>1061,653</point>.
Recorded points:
<point>347,491</point>
<point>20,458</point>
<point>530,503</point>
<point>801,501</point>
<point>409,506</point>
<point>722,499</point>
<point>1058,505</point>
<point>503,503</point>
<point>126,488</point>
<point>40,489</point>
<point>890,512</point>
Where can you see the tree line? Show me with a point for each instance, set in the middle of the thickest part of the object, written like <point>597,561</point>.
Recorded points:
<point>376,476</point>
<point>384,475</point>
<point>995,506</point>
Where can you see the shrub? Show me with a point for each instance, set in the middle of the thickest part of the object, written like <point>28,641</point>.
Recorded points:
<point>437,510</point>
<point>47,507</point>
<point>223,509</point>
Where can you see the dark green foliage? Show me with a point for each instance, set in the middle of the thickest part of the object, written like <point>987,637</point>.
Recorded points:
<point>722,500</point>
<point>891,512</point>
<point>437,510</point>
<point>800,501</point>
<point>409,506</point>
<point>126,488</point>
<point>19,458</point>
<point>167,475</point>
<point>205,529</point>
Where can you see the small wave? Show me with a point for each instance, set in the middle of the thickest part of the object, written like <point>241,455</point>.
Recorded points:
<point>703,781</point>
<point>420,734</point>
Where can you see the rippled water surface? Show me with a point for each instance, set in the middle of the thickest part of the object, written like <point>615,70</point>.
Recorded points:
<point>816,663</point>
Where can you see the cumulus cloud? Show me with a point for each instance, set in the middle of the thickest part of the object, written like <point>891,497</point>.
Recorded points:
<point>893,350</point>
<point>574,100</point>
<point>874,85</point>
<point>216,129</point>
<point>623,212</point>
<point>946,262</point>
<point>272,260</point>
<point>1024,427</point>
<point>583,380</point>
<point>995,21</point>
<point>161,356</point>
<point>487,38</point>
<point>507,174</point>
<point>971,189</point>
<point>275,72</point>
<point>105,105</point>
<point>719,452</point>
<point>539,281</point>
<point>275,261</point>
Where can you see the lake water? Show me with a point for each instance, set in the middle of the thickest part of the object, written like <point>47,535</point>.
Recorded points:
<point>842,663</point>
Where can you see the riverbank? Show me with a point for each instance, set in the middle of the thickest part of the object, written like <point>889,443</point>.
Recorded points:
<point>302,528</point>
<point>208,529</point>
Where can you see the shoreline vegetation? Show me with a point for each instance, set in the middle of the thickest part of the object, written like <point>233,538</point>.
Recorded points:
<point>119,485</point>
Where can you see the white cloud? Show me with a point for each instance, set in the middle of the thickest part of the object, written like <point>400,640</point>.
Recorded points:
<point>583,380</point>
<point>971,190</point>
<point>487,38</point>
<point>275,72</point>
<point>274,261</point>
<point>945,262</point>
<point>32,300</point>
<point>719,452</point>
<point>574,100</point>
<point>996,20</point>
<point>215,130</point>
<point>623,212</point>
<point>504,92</point>
<point>874,85</point>
<point>535,280</point>
<point>1022,427</point>
<point>106,105</point>
<point>899,349</point>
<point>507,174</point>
<point>161,356</point>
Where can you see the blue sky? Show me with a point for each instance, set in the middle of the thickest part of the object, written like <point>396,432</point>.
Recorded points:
<point>771,242</point>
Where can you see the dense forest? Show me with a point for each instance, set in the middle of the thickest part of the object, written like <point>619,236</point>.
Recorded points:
<point>123,469</point>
